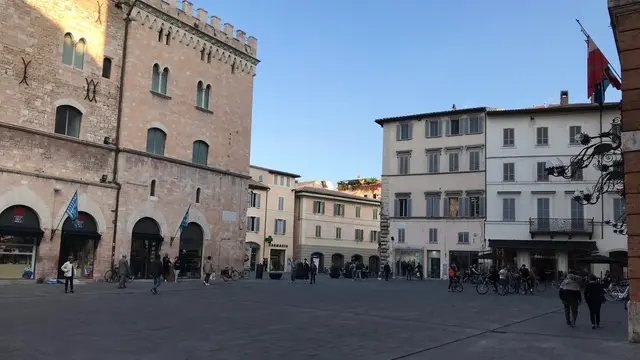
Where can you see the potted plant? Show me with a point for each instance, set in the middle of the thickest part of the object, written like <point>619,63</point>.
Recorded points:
<point>275,273</point>
<point>334,271</point>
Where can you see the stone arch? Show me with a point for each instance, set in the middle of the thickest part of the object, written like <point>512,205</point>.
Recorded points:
<point>154,25</point>
<point>223,55</point>
<point>196,216</point>
<point>156,124</point>
<point>147,209</point>
<point>24,196</point>
<point>85,204</point>
<point>70,102</point>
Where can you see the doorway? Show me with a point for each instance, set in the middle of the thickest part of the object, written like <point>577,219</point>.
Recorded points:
<point>20,236</point>
<point>79,240</point>
<point>433,263</point>
<point>146,243</point>
<point>320,257</point>
<point>252,250</point>
<point>191,240</point>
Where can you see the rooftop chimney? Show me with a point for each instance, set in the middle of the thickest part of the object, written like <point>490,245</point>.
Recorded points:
<point>564,97</point>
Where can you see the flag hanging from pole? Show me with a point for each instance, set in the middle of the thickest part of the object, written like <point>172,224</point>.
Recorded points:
<point>185,220</point>
<point>599,73</point>
<point>72,208</point>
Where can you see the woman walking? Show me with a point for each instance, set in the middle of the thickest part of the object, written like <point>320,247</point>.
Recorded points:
<point>176,267</point>
<point>571,297</point>
<point>166,267</point>
<point>594,297</point>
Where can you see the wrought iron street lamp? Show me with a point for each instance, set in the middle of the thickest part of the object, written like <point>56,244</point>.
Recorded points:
<point>604,153</point>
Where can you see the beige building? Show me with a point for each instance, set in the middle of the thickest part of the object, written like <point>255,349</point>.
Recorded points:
<point>433,188</point>
<point>369,187</point>
<point>270,218</point>
<point>145,112</point>
<point>336,227</point>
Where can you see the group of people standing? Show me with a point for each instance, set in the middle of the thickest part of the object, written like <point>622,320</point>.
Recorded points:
<point>161,269</point>
<point>309,270</point>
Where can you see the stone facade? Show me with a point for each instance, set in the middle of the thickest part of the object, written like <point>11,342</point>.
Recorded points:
<point>117,181</point>
<point>625,20</point>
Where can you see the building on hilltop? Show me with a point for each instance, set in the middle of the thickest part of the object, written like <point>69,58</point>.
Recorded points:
<point>336,228</point>
<point>532,218</point>
<point>369,188</point>
<point>433,189</point>
<point>144,118</point>
<point>270,218</point>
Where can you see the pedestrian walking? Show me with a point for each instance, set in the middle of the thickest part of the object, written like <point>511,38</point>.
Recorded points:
<point>387,271</point>
<point>156,271</point>
<point>571,297</point>
<point>166,267</point>
<point>307,270</point>
<point>594,297</point>
<point>313,272</point>
<point>176,267</point>
<point>293,267</point>
<point>68,269</point>
<point>207,267</point>
<point>124,271</point>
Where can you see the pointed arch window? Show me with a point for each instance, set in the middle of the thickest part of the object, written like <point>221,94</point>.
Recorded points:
<point>200,152</point>
<point>202,54</point>
<point>200,94</point>
<point>164,80</point>
<point>67,49</point>
<point>152,188</point>
<point>68,120</point>
<point>156,140</point>
<point>207,96</point>
<point>161,35</point>
<point>155,78</point>
<point>198,196</point>
<point>78,55</point>
<point>168,38</point>
<point>209,57</point>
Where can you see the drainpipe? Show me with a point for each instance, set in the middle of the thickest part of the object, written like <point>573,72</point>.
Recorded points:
<point>264,227</point>
<point>127,22</point>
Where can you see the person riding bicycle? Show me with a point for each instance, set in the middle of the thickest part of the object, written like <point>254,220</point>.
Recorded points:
<point>452,276</point>
<point>525,275</point>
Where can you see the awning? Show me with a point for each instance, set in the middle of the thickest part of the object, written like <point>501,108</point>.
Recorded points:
<point>147,236</point>
<point>598,259</point>
<point>544,245</point>
<point>28,232</point>
<point>82,234</point>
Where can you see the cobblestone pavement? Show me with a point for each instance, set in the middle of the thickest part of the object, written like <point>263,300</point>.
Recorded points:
<point>268,319</point>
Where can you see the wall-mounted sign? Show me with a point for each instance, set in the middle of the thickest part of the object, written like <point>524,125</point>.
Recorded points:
<point>280,245</point>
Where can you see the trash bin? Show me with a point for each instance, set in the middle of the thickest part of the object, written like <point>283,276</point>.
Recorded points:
<point>259,271</point>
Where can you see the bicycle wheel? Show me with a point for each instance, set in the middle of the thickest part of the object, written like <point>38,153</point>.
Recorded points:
<point>482,288</point>
<point>235,275</point>
<point>502,290</point>
<point>609,296</point>
<point>108,276</point>
<point>226,277</point>
<point>512,288</point>
<point>541,287</point>
<point>457,287</point>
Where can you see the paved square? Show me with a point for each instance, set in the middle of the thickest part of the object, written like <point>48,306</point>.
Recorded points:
<point>268,319</point>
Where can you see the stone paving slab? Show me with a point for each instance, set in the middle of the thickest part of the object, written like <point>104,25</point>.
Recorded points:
<point>334,319</point>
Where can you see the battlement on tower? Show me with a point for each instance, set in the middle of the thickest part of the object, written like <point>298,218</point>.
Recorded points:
<point>209,25</point>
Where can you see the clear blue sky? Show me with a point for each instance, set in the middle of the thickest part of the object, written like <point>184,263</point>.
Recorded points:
<point>331,67</point>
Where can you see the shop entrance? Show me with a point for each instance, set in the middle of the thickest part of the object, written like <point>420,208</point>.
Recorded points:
<point>80,240</point>
<point>146,243</point>
<point>191,240</point>
<point>544,264</point>
<point>252,249</point>
<point>20,235</point>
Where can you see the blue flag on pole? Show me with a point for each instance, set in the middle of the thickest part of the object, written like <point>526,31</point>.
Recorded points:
<point>72,208</point>
<point>185,220</point>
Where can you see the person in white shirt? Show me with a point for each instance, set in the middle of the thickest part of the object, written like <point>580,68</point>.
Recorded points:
<point>68,270</point>
<point>503,275</point>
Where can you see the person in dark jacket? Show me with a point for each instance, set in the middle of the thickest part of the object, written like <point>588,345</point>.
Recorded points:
<point>594,296</point>
<point>307,269</point>
<point>571,297</point>
<point>176,267</point>
<point>387,271</point>
<point>166,267</point>
<point>155,270</point>
<point>312,272</point>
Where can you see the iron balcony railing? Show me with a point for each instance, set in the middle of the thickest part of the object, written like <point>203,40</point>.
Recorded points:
<point>556,226</point>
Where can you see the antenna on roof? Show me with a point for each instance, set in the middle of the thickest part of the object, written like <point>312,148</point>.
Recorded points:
<point>453,107</point>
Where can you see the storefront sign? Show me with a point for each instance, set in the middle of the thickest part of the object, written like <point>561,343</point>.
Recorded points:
<point>279,245</point>
<point>18,216</point>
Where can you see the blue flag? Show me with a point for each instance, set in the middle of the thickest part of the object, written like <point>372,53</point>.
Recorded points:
<point>72,208</point>
<point>185,220</point>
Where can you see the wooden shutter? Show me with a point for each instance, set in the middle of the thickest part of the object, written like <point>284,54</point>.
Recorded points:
<point>257,227</point>
<point>448,125</point>
<point>410,131</point>
<point>396,207</point>
<point>398,132</point>
<point>462,206</point>
<point>257,200</point>
<point>275,226</point>
<point>482,206</point>
<point>284,227</point>
<point>464,124</point>
<point>481,124</point>
<point>408,207</point>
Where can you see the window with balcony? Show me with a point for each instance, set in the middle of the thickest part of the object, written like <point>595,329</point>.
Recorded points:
<point>543,213</point>
<point>577,216</point>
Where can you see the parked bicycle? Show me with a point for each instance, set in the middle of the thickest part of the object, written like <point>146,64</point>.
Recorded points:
<point>112,276</point>
<point>229,273</point>
<point>456,285</point>
<point>617,292</point>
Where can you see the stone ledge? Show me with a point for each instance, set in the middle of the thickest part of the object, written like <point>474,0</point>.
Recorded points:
<point>57,178</point>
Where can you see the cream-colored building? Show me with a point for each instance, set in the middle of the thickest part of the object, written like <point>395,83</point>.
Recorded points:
<point>336,227</point>
<point>270,216</point>
<point>433,188</point>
